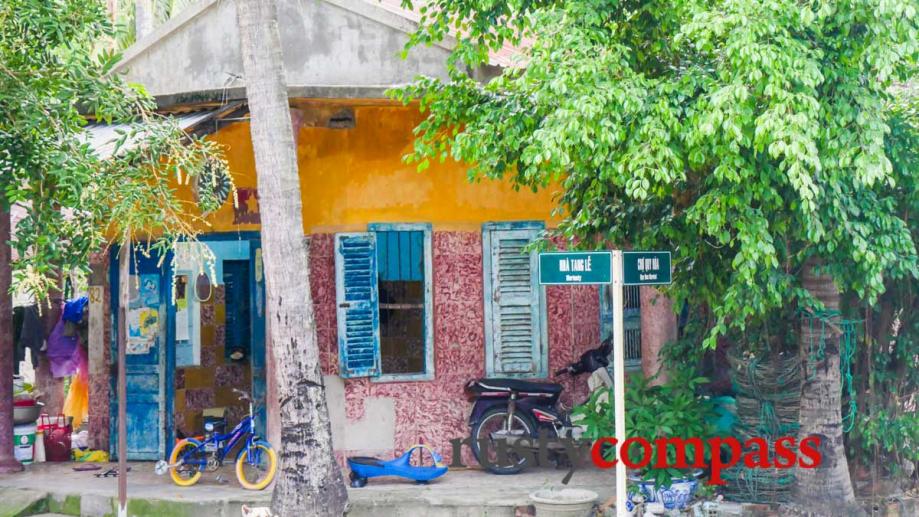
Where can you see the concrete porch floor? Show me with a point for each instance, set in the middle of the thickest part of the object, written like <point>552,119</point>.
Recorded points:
<point>57,488</point>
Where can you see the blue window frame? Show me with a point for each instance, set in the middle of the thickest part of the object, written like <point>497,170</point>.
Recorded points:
<point>390,270</point>
<point>516,336</point>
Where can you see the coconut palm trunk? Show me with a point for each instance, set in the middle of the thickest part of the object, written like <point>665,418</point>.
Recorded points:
<point>310,481</point>
<point>827,489</point>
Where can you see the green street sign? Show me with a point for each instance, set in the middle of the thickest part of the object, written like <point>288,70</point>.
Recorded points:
<point>575,268</point>
<point>646,267</point>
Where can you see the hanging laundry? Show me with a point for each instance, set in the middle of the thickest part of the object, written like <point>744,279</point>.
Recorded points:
<point>63,353</point>
<point>73,309</point>
<point>73,315</point>
<point>28,334</point>
<point>76,404</point>
<point>18,354</point>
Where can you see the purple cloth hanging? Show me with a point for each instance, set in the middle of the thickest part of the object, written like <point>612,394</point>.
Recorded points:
<point>63,352</point>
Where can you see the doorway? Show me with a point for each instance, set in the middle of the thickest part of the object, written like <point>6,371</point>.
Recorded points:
<point>195,334</point>
<point>220,338</point>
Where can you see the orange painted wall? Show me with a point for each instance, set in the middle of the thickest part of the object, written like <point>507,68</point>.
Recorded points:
<point>351,177</point>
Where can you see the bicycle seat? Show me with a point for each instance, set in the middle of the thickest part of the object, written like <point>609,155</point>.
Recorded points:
<point>509,385</point>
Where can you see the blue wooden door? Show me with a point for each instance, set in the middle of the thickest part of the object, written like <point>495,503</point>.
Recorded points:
<point>238,295</point>
<point>258,358</point>
<point>148,336</point>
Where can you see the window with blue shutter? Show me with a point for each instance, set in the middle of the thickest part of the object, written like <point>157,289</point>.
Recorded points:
<point>516,343</point>
<point>406,312</point>
<point>385,306</point>
<point>357,297</point>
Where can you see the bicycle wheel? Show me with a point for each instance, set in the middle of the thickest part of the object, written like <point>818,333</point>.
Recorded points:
<point>188,473</point>
<point>257,472</point>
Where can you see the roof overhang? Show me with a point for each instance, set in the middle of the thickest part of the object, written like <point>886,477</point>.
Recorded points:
<point>332,49</point>
<point>200,120</point>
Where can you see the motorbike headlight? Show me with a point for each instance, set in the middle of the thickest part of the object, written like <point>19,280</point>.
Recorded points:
<point>209,427</point>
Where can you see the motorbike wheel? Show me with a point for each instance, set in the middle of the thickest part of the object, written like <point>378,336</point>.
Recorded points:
<point>492,421</point>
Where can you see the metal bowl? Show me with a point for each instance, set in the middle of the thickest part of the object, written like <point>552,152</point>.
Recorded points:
<point>27,414</point>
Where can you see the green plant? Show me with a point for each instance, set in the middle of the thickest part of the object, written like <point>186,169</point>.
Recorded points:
<point>671,410</point>
<point>54,80</point>
<point>895,435</point>
<point>886,431</point>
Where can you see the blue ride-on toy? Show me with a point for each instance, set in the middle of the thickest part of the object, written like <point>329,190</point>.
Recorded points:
<point>365,467</point>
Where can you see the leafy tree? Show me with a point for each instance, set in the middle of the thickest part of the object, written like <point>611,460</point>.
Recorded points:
<point>747,136</point>
<point>886,431</point>
<point>54,80</point>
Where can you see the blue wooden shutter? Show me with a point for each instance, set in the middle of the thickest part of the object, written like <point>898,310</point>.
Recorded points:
<point>515,333</point>
<point>358,304</point>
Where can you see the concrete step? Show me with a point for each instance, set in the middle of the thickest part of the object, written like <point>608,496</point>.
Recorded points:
<point>412,510</point>
<point>21,501</point>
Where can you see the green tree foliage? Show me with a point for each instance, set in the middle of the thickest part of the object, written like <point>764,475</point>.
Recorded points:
<point>53,81</point>
<point>746,136</point>
<point>886,434</point>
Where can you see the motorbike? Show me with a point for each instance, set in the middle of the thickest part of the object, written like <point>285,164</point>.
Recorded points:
<point>507,410</point>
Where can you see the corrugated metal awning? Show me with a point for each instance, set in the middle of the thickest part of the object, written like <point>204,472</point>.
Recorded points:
<point>104,137</point>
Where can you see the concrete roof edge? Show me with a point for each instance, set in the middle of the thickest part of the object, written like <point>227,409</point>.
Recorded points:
<point>377,12</point>
<point>312,91</point>
<point>365,8</point>
<point>163,31</point>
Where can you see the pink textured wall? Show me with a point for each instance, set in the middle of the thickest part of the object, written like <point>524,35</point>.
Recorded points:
<point>436,411</point>
<point>430,411</point>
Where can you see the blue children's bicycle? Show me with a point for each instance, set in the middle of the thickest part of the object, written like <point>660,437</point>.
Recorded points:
<point>256,461</point>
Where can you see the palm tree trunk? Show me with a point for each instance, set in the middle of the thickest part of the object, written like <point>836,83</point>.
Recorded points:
<point>827,489</point>
<point>8,463</point>
<point>310,481</point>
<point>144,19</point>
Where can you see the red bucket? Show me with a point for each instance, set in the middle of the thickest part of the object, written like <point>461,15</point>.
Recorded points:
<point>56,435</point>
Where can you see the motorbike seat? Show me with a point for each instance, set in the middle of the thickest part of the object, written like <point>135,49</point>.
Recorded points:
<point>517,385</point>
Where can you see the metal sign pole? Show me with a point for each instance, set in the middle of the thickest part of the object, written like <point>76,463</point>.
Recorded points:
<point>619,380</point>
<point>625,268</point>
<point>124,279</point>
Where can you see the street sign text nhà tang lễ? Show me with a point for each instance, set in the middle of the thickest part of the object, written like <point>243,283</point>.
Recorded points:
<point>575,268</point>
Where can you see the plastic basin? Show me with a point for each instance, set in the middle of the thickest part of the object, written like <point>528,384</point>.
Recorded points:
<point>567,502</point>
<point>26,414</point>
